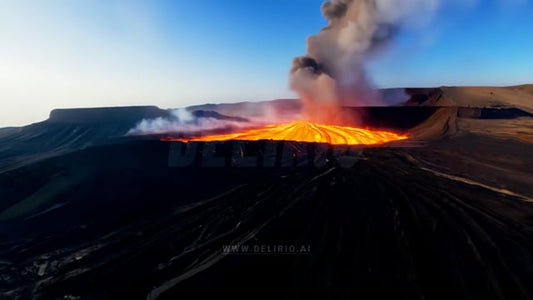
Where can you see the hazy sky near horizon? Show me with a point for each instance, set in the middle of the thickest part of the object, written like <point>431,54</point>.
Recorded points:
<point>74,53</point>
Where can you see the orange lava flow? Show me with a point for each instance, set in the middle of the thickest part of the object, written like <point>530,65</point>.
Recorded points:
<point>303,131</point>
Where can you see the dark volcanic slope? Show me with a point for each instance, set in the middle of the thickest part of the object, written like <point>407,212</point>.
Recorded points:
<point>447,214</point>
<point>413,223</point>
<point>67,130</point>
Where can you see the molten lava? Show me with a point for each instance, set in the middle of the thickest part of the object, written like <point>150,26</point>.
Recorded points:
<point>302,131</point>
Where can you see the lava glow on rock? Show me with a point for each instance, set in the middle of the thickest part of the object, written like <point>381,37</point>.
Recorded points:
<point>303,131</point>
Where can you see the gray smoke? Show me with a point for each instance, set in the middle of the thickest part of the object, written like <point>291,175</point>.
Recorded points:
<point>332,73</point>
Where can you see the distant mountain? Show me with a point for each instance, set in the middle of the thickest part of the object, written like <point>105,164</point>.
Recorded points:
<point>218,116</point>
<point>78,128</point>
<point>126,116</point>
<point>513,96</point>
<point>70,129</point>
<point>279,107</point>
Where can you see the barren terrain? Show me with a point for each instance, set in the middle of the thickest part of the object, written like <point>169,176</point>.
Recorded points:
<point>88,212</point>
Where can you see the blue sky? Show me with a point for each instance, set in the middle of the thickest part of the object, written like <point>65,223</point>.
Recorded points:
<point>74,53</point>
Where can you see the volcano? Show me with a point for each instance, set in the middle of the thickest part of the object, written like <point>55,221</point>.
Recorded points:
<point>90,212</point>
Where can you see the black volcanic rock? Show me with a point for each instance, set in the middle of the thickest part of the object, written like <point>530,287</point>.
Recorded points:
<point>398,224</point>
<point>216,115</point>
<point>398,118</point>
<point>423,96</point>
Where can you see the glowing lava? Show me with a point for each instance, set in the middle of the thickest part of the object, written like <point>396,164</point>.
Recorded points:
<point>302,131</point>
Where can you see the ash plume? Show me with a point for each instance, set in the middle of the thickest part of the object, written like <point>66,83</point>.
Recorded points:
<point>332,73</point>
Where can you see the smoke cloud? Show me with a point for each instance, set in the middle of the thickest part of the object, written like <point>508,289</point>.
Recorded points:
<point>332,73</point>
<point>183,121</point>
<point>220,117</point>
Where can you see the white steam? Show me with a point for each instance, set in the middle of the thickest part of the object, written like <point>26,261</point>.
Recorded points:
<point>183,121</point>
